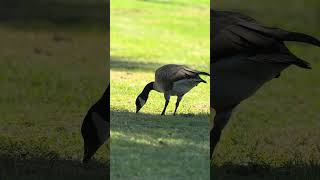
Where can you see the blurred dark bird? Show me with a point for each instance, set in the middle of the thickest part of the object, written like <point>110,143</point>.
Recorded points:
<point>96,125</point>
<point>172,80</point>
<point>245,55</point>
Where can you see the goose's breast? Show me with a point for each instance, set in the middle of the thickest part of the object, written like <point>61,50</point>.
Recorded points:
<point>183,86</point>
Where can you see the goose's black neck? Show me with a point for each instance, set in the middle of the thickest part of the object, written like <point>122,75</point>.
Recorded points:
<point>145,93</point>
<point>106,93</point>
<point>104,101</point>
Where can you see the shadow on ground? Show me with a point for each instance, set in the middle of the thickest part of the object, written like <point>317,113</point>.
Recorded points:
<point>255,171</point>
<point>35,158</point>
<point>121,63</point>
<point>164,2</point>
<point>50,169</point>
<point>126,119</point>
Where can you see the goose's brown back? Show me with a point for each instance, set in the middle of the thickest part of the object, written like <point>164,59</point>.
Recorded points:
<point>166,75</point>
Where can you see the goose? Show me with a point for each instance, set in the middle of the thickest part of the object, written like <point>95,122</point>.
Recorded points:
<point>95,126</point>
<point>172,80</point>
<point>245,55</point>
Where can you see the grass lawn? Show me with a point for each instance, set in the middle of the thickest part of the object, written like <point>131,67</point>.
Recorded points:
<point>144,36</point>
<point>275,134</point>
<point>51,72</point>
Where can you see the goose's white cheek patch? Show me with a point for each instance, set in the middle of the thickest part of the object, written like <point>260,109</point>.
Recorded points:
<point>101,126</point>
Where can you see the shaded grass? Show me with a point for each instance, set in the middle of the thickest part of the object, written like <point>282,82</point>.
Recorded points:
<point>253,171</point>
<point>43,168</point>
<point>123,64</point>
<point>40,158</point>
<point>61,12</point>
<point>50,75</point>
<point>148,146</point>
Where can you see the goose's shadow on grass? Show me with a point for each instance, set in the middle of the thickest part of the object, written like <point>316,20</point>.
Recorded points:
<point>253,171</point>
<point>185,128</point>
<point>128,64</point>
<point>121,63</point>
<point>169,2</point>
<point>119,118</point>
<point>52,169</point>
<point>182,130</point>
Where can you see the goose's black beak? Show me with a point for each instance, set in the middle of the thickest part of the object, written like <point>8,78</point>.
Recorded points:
<point>85,159</point>
<point>137,109</point>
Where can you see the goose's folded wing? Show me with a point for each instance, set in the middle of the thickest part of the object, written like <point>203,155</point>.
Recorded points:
<point>183,72</point>
<point>243,37</point>
<point>223,19</point>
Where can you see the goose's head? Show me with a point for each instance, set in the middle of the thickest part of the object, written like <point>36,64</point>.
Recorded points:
<point>95,131</point>
<point>140,102</point>
<point>143,96</point>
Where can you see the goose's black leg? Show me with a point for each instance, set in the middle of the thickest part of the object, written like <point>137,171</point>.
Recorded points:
<point>220,121</point>
<point>167,97</point>
<point>177,104</point>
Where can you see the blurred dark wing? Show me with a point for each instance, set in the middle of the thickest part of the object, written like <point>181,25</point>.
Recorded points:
<point>234,33</point>
<point>244,37</point>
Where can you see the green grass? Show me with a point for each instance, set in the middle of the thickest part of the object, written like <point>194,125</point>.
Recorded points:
<point>50,75</point>
<point>144,36</point>
<point>275,133</point>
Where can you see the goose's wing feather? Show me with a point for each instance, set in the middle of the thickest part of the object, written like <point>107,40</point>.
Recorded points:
<point>183,72</point>
<point>174,72</point>
<point>222,19</point>
<point>244,37</point>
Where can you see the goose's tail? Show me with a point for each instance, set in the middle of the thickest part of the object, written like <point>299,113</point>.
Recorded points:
<point>203,73</point>
<point>281,34</point>
<point>300,37</point>
<point>302,63</point>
